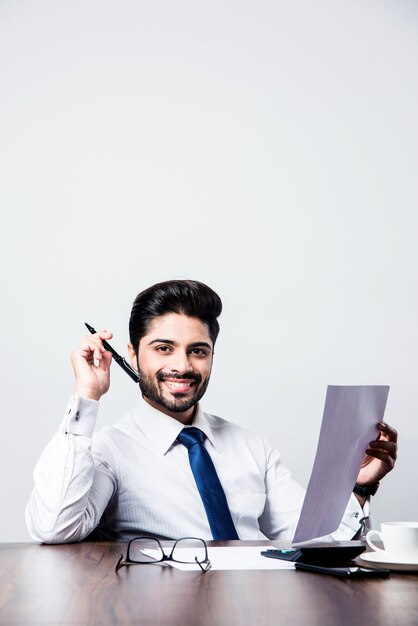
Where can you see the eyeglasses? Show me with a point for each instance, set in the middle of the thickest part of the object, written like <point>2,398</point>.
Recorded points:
<point>143,550</point>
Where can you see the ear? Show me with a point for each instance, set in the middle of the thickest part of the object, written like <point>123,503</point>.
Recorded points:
<point>132,356</point>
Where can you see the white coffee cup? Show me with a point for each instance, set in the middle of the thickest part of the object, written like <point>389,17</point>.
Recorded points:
<point>400,540</point>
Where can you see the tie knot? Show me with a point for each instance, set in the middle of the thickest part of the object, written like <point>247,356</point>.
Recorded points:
<point>190,437</point>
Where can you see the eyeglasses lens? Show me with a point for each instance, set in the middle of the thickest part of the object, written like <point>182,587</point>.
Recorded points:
<point>189,551</point>
<point>145,551</point>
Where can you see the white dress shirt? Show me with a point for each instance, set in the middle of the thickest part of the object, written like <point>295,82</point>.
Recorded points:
<point>134,478</point>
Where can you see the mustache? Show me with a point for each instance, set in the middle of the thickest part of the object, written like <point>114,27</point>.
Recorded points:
<point>186,376</point>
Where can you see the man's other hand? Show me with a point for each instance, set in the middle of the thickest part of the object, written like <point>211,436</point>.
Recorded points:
<point>380,456</point>
<point>91,364</point>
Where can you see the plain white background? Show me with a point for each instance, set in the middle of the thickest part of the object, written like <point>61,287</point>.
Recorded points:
<point>266,148</point>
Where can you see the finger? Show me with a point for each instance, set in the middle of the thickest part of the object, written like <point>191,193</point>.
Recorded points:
<point>382,456</point>
<point>387,430</point>
<point>104,334</point>
<point>106,361</point>
<point>92,346</point>
<point>385,446</point>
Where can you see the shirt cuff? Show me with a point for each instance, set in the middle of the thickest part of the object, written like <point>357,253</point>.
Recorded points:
<point>80,416</point>
<point>353,519</point>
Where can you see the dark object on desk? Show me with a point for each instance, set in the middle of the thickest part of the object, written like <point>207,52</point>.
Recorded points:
<point>324,554</point>
<point>344,572</point>
<point>118,358</point>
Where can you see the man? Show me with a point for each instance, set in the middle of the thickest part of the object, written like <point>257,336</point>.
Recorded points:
<point>151,473</point>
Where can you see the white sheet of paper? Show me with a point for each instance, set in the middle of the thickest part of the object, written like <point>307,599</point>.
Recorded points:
<point>350,421</point>
<point>235,558</point>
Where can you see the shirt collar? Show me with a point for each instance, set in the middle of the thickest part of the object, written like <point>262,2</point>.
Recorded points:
<point>163,430</point>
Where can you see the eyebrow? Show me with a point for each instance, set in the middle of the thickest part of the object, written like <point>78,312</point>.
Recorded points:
<point>196,344</point>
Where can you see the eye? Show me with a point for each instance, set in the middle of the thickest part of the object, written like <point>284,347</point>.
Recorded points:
<point>163,349</point>
<point>202,352</point>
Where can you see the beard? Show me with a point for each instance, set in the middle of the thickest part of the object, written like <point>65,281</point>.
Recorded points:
<point>150,388</point>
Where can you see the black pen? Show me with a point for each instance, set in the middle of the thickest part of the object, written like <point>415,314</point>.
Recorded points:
<point>118,358</point>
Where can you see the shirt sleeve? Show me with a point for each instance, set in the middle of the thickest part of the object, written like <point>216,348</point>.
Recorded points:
<point>72,487</point>
<point>284,499</point>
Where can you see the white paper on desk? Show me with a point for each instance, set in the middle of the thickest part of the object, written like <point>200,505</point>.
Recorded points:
<point>236,558</point>
<point>350,421</point>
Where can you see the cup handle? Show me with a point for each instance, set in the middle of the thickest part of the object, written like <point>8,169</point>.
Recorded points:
<point>370,542</point>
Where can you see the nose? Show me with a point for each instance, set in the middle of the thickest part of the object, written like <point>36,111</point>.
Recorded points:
<point>181,363</point>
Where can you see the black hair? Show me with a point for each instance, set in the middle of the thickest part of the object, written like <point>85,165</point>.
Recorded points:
<point>187,297</point>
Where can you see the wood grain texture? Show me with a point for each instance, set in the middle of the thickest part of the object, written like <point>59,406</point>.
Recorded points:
<point>77,584</point>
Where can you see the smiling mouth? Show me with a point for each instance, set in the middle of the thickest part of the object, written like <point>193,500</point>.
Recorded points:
<point>179,386</point>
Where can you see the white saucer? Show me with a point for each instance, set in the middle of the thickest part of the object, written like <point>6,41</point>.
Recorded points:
<point>384,559</point>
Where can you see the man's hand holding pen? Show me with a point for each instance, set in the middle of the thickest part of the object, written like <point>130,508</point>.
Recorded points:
<point>91,364</point>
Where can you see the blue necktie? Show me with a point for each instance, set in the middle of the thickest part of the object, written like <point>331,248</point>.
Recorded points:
<point>208,484</point>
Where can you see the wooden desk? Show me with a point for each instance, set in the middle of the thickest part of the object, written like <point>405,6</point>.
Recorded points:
<point>77,584</point>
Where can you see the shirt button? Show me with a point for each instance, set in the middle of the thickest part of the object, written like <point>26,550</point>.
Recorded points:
<point>356,515</point>
<point>77,416</point>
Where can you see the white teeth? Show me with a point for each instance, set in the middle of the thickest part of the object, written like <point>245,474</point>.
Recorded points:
<point>175,385</point>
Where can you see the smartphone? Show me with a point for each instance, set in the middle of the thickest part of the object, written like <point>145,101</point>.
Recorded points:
<point>344,572</point>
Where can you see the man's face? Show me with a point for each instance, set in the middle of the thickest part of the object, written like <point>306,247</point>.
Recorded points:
<point>175,361</point>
